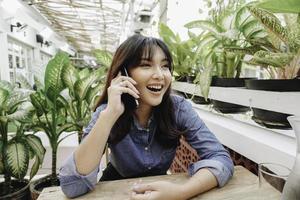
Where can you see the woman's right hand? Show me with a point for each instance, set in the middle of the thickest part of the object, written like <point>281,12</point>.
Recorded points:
<point>118,86</point>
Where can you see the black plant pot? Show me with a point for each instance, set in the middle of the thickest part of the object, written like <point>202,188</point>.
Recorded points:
<point>225,107</point>
<point>201,100</point>
<point>36,187</point>
<point>271,119</point>
<point>20,191</point>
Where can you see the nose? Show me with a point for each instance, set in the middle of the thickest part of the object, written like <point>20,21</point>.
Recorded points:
<point>157,73</point>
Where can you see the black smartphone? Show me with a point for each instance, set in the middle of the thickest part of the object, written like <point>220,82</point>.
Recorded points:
<point>128,100</point>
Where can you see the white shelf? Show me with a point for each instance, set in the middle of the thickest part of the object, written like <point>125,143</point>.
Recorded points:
<point>284,102</point>
<point>239,132</point>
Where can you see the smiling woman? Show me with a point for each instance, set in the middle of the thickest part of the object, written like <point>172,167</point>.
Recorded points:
<point>143,139</point>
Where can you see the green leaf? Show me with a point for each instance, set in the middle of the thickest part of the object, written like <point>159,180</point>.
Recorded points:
<point>17,159</point>
<point>36,146</point>
<point>276,6</point>
<point>3,98</point>
<point>270,22</point>
<point>265,58</point>
<point>81,87</point>
<point>53,75</point>
<point>38,102</point>
<point>6,85</point>
<point>1,158</point>
<point>23,114</point>
<point>103,57</point>
<point>69,76</point>
<point>35,167</point>
<point>205,25</point>
<point>92,93</point>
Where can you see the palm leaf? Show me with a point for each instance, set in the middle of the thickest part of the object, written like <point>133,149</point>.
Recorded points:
<point>17,158</point>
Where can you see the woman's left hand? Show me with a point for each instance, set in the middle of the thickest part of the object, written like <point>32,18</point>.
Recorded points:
<point>160,190</point>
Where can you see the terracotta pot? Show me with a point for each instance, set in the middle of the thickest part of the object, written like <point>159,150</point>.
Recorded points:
<point>36,187</point>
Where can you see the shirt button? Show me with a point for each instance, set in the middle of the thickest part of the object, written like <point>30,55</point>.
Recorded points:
<point>149,167</point>
<point>146,148</point>
<point>147,129</point>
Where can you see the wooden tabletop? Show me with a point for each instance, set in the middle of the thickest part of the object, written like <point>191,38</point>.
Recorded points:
<point>243,186</point>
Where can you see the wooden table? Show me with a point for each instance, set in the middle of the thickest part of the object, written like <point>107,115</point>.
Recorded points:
<point>243,186</point>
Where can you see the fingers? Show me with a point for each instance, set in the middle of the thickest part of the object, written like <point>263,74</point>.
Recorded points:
<point>129,91</point>
<point>120,78</point>
<point>129,84</point>
<point>146,196</point>
<point>142,188</point>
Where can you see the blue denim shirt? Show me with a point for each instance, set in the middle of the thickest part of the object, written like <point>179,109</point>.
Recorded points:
<point>139,151</point>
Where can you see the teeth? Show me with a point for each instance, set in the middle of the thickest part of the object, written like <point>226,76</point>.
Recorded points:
<point>158,87</point>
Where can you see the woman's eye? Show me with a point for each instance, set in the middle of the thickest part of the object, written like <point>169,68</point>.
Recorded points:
<point>145,65</point>
<point>165,67</point>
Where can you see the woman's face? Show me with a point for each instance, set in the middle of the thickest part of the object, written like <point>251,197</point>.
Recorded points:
<point>153,78</point>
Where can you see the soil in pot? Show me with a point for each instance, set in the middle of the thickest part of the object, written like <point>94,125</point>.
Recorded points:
<point>19,191</point>
<point>271,119</point>
<point>37,186</point>
<point>225,107</point>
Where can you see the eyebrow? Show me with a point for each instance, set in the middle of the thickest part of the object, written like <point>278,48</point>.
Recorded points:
<point>148,59</point>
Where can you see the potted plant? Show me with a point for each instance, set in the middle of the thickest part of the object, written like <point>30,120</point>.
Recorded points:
<point>50,115</point>
<point>229,26</point>
<point>281,60</point>
<point>16,150</point>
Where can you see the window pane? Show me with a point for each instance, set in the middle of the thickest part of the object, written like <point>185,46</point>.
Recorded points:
<point>10,61</point>
<point>18,62</point>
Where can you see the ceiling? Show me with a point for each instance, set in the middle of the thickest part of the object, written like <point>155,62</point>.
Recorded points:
<point>90,24</point>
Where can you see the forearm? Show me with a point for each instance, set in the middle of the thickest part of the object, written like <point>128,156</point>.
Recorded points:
<point>88,154</point>
<point>202,181</point>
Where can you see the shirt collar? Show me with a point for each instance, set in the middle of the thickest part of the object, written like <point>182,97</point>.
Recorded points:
<point>138,126</point>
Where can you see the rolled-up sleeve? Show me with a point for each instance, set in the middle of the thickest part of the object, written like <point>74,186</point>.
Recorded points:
<point>213,155</point>
<point>72,183</point>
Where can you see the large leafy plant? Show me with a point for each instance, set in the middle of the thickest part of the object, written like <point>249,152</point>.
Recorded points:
<point>229,33</point>
<point>17,149</point>
<point>282,59</point>
<point>50,106</point>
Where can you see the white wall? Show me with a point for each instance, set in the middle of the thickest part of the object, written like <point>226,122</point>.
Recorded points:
<point>13,11</point>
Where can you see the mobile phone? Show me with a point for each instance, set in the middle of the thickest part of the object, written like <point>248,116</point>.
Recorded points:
<point>128,100</point>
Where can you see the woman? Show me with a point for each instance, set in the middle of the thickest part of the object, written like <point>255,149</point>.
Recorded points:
<point>143,138</point>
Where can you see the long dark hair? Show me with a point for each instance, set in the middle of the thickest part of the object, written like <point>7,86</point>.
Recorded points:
<point>129,55</point>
